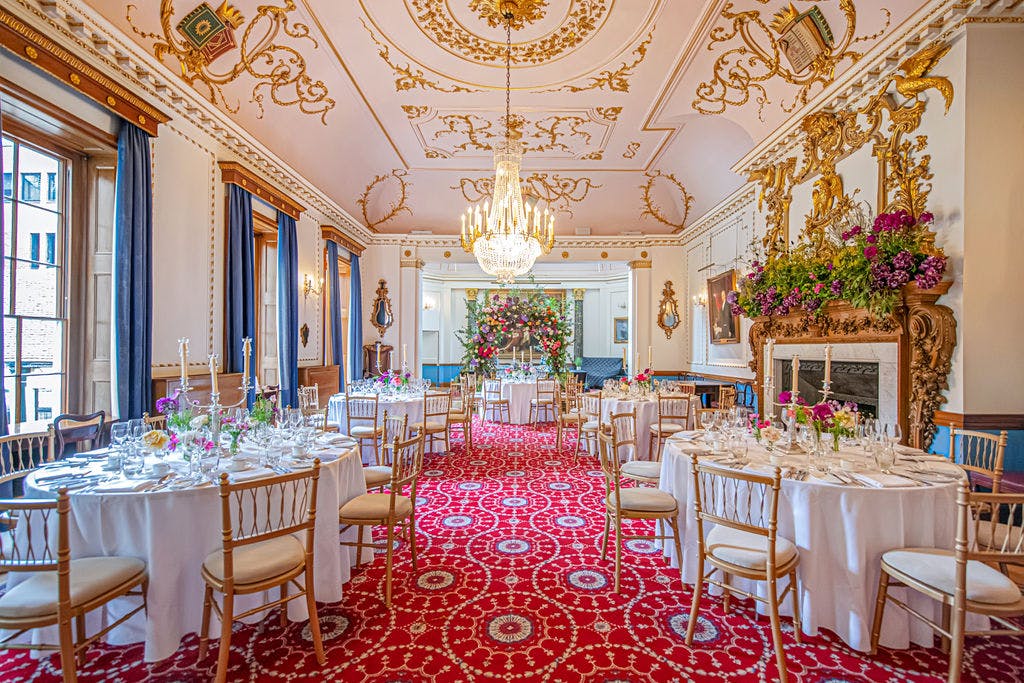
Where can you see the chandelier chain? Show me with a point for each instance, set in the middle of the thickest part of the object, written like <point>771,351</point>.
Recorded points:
<point>508,76</point>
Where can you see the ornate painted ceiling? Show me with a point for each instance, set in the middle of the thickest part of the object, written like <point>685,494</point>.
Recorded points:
<point>632,111</point>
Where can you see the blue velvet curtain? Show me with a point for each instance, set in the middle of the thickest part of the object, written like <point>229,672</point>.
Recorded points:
<point>355,320</point>
<point>240,306</point>
<point>334,294</point>
<point>6,488</point>
<point>288,308</point>
<point>133,272</point>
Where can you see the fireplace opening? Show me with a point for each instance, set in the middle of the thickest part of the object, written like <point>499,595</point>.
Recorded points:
<point>853,381</point>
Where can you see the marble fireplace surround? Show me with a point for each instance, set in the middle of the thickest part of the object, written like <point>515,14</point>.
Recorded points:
<point>884,355</point>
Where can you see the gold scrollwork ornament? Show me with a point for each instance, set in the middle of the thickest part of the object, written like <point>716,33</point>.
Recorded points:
<point>278,69</point>
<point>651,207</point>
<point>394,207</point>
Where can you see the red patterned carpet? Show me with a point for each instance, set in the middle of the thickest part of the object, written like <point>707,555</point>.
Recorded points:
<point>511,587</point>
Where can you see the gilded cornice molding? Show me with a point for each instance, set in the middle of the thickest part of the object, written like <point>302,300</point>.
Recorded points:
<point>726,208</point>
<point>92,38</point>
<point>235,174</point>
<point>596,242</point>
<point>329,232</point>
<point>936,21</point>
<point>640,264</point>
<point>416,263</point>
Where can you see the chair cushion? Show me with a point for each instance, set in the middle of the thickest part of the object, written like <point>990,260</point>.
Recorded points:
<point>376,475</point>
<point>571,416</point>
<point>590,426</point>
<point>642,468</point>
<point>365,431</point>
<point>541,402</point>
<point>667,428</point>
<point>374,506</point>
<point>937,568</point>
<point>432,426</point>
<point>644,500</point>
<point>91,577</point>
<point>746,549</point>
<point>259,561</point>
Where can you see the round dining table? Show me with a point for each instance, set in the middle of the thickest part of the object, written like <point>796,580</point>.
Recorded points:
<point>519,394</point>
<point>840,530</point>
<point>646,416</point>
<point>410,404</point>
<point>173,530</point>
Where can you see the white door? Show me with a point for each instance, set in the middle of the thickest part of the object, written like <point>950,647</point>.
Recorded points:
<point>268,317</point>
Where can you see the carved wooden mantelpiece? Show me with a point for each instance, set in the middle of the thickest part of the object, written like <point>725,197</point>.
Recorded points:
<point>925,335</point>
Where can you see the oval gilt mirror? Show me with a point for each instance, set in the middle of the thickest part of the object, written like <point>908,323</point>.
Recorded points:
<point>381,316</point>
<point>668,310</point>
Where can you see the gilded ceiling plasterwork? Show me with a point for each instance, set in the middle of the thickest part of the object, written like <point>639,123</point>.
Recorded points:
<point>556,191</point>
<point>529,12</point>
<point>437,21</point>
<point>203,36</point>
<point>653,209</point>
<point>614,80</point>
<point>575,134</point>
<point>764,51</point>
<point>631,150</point>
<point>407,77</point>
<point>378,190</point>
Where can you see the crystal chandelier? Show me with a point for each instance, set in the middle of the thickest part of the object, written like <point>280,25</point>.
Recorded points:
<point>507,235</point>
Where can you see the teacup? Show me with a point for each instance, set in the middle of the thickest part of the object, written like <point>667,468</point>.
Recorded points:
<point>159,469</point>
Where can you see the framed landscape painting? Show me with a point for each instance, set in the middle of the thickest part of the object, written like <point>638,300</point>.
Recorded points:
<point>723,325</point>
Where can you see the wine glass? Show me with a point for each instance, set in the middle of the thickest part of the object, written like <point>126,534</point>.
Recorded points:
<point>895,433</point>
<point>118,435</point>
<point>707,420</point>
<point>738,446</point>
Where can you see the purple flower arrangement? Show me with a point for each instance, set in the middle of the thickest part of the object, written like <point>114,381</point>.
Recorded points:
<point>868,270</point>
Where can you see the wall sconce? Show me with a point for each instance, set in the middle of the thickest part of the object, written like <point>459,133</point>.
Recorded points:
<point>311,286</point>
<point>429,304</point>
<point>700,299</point>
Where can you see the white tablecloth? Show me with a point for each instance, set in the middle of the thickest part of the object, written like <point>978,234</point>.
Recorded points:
<point>840,533</point>
<point>411,406</point>
<point>646,415</point>
<point>519,395</point>
<point>174,531</point>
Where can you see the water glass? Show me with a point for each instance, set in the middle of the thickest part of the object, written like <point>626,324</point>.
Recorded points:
<point>738,446</point>
<point>132,463</point>
<point>885,456</point>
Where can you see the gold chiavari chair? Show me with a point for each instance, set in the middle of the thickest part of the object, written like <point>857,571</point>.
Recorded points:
<point>980,455</point>
<point>630,503</point>
<point>309,399</point>
<point>699,413</point>
<point>962,580</point>
<point>673,416</point>
<point>744,542</point>
<point>493,401</point>
<point>543,401</point>
<point>361,417</point>
<point>462,411</point>
<point>260,551</point>
<point>22,453</point>
<point>590,426</point>
<point>726,397</point>
<point>436,410</point>
<point>395,428</point>
<point>568,417</point>
<point>154,421</point>
<point>686,388</point>
<point>392,509</point>
<point>60,591</point>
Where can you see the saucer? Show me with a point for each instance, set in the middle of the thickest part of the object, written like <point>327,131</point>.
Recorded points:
<point>237,466</point>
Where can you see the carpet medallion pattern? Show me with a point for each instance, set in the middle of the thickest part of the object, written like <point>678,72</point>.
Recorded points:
<point>511,587</point>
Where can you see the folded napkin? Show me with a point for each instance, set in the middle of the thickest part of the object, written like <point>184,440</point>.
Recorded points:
<point>336,440</point>
<point>687,435</point>
<point>908,450</point>
<point>880,480</point>
<point>124,485</point>
<point>247,475</point>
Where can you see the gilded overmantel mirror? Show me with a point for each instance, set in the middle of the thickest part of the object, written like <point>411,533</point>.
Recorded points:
<point>381,315</point>
<point>668,310</point>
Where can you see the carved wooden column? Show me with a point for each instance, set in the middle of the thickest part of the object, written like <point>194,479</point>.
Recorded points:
<point>577,332</point>
<point>932,337</point>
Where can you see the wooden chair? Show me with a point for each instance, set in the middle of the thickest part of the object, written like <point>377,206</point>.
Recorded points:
<point>630,503</point>
<point>726,397</point>
<point>76,430</point>
<point>980,455</point>
<point>493,401</point>
<point>395,428</point>
<point>361,420</point>
<point>260,552</point>
<point>436,409</point>
<point>744,542</point>
<point>686,388</point>
<point>154,421</point>
<point>392,509</point>
<point>590,426</point>
<point>699,413</point>
<point>60,591</point>
<point>543,401</point>
<point>568,416</point>
<point>962,580</point>
<point>22,453</point>
<point>673,416</point>
<point>461,413</point>
<point>309,398</point>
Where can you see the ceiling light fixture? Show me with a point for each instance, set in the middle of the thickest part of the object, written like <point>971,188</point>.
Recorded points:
<point>508,235</point>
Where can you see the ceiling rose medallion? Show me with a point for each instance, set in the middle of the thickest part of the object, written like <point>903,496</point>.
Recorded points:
<point>508,235</point>
<point>523,12</point>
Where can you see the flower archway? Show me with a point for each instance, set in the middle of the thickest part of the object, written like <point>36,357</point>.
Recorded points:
<point>515,320</point>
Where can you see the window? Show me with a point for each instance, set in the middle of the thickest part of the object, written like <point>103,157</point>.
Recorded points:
<point>51,187</point>
<point>8,185</point>
<point>34,309</point>
<point>31,183</point>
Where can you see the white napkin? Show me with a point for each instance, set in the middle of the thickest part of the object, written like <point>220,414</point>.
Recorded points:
<point>881,480</point>
<point>124,485</point>
<point>687,435</point>
<point>255,473</point>
<point>335,439</point>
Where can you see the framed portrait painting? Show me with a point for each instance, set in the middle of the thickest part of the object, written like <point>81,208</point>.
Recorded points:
<point>723,325</point>
<point>620,330</point>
